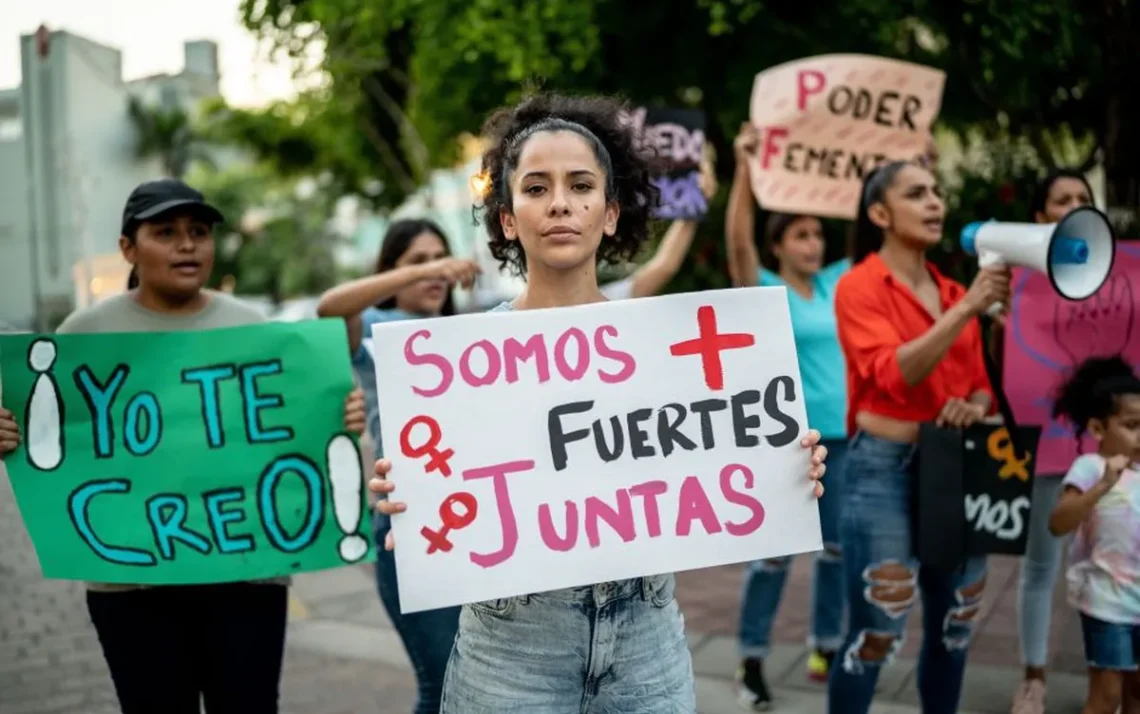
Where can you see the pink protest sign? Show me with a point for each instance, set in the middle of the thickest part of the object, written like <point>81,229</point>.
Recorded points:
<point>546,449</point>
<point>826,121</point>
<point>1046,336</point>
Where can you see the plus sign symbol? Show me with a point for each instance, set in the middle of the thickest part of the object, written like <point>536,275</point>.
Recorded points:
<point>709,344</point>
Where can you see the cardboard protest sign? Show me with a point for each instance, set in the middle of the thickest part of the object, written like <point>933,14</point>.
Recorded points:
<point>826,121</point>
<point>1047,335</point>
<point>186,457</point>
<point>677,137</point>
<point>546,449</point>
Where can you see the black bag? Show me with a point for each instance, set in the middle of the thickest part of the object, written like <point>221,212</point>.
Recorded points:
<point>972,492</point>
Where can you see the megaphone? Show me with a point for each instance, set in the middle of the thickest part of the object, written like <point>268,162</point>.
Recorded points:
<point>1076,253</point>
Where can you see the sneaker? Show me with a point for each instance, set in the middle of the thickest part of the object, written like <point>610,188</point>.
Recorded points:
<point>752,690</point>
<point>819,665</point>
<point>1030,698</point>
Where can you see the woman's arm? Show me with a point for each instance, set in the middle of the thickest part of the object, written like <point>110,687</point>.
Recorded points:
<point>350,299</point>
<point>652,277</point>
<point>740,216</point>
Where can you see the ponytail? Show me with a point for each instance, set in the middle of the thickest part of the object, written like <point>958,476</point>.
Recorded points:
<point>133,278</point>
<point>868,237</point>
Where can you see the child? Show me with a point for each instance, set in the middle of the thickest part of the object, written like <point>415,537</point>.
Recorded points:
<point>1101,502</point>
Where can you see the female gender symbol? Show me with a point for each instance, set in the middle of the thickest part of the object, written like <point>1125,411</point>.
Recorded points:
<point>439,459</point>
<point>451,520</point>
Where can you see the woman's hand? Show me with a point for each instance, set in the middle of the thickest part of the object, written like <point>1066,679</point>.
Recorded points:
<point>960,413</point>
<point>9,433</point>
<point>746,142</point>
<point>818,456</point>
<point>355,414</point>
<point>990,286</point>
<point>454,271</point>
<point>381,485</point>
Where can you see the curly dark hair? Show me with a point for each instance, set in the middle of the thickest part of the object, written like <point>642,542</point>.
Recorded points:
<point>1092,391</point>
<point>621,154</point>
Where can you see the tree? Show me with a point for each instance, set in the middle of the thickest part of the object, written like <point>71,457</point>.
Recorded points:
<point>167,135</point>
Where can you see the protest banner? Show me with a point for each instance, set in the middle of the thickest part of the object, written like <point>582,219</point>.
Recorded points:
<point>546,449</point>
<point>1047,335</point>
<point>186,457</point>
<point>677,140</point>
<point>826,121</point>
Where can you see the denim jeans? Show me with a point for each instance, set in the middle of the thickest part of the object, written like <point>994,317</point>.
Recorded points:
<point>764,582</point>
<point>1110,645</point>
<point>885,579</point>
<point>1039,570</point>
<point>614,648</point>
<point>427,636</point>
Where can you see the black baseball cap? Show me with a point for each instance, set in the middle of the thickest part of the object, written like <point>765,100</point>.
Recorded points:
<point>153,198</point>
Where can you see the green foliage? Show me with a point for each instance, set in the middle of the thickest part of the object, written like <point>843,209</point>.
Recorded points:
<point>405,78</point>
<point>276,240</point>
<point>167,135</point>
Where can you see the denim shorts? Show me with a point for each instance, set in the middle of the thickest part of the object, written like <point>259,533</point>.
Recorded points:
<point>1110,645</point>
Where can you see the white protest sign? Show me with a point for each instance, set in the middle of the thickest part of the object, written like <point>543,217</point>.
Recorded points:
<point>546,449</point>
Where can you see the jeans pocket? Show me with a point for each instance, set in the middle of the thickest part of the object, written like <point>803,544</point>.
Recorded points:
<point>499,609</point>
<point>660,590</point>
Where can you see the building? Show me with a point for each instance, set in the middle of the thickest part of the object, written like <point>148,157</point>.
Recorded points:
<point>68,162</point>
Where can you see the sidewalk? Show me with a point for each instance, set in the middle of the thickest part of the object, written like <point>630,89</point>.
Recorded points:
<point>344,658</point>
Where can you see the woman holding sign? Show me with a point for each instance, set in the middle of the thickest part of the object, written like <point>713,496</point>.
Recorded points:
<point>414,276</point>
<point>914,354</point>
<point>1055,195</point>
<point>567,189</point>
<point>794,247</point>
<point>171,647</point>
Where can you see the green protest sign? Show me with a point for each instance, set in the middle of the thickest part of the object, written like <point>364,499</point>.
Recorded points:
<point>186,457</point>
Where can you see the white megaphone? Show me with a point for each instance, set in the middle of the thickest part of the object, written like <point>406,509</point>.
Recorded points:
<point>1076,253</point>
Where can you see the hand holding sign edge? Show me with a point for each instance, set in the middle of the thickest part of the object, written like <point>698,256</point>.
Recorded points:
<point>9,432</point>
<point>381,485</point>
<point>818,457</point>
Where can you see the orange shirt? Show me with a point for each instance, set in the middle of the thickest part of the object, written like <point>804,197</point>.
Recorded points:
<point>876,314</point>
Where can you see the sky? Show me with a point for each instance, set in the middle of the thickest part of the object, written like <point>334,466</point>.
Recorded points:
<point>150,33</point>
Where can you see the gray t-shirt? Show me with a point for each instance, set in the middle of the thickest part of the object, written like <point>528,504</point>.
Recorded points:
<point>122,313</point>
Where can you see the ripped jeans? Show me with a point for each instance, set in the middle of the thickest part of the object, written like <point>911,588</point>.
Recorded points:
<point>885,579</point>
<point>764,579</point>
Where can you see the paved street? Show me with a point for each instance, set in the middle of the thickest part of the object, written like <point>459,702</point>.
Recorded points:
<point>343,656</point>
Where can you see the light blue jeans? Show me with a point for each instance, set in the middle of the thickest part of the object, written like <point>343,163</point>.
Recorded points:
<point>764,583</point>
<point>1039,569</point>
<point>614,648</point>
<point>885,580</point>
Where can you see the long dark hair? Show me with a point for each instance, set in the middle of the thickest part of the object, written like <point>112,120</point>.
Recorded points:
<point>774,229</point>
<point>396,241</point>
<point>1045,185</point>
<point>133,278</point>
<point>868,237</point>
<point>623,159</point>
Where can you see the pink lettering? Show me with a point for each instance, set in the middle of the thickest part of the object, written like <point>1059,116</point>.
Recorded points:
<point>625,359</point>
<point>649,491</point>
<point>507,522</point>
<point>620,520</point>
<point>583,356</point>
<point>415,359</point>
<point>770,148</point>
<point>515,352</point>
<point>694,505</point>
<point>740,499</point>
<point>803,91</point>
<point>494,364</point>
<point>550,536</point>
